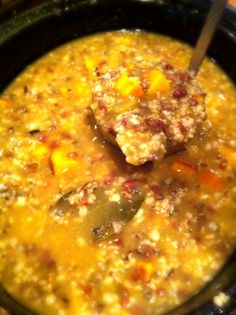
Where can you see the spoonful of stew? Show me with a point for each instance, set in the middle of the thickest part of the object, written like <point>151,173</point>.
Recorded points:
<point>149,112</point>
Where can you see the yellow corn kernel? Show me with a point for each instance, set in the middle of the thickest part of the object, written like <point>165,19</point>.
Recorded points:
<point>149,270</point>
<point>91,62</point>
<point>228,154</point>
<point>62,162</point>
<point>64,90</point>
<point>82,91</point>
<point>40,151</point>
<point>129,86</point>
<point>158,82</point>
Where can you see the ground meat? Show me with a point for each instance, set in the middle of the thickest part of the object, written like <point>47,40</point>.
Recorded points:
<point>131,140</point>
<point>146,125</point>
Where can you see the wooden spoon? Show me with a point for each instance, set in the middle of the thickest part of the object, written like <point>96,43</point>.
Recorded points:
<point>208,30</point>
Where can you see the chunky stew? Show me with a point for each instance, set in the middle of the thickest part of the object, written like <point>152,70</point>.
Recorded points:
<point>83,232</point>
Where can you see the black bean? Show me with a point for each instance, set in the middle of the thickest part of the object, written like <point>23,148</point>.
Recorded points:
<point>34,132</point>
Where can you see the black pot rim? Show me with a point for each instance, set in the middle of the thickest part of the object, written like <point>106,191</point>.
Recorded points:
<point>58,8</point>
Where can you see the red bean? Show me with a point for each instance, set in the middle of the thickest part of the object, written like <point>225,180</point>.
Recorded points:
<point>180,93</point>
<point>124,122</point>
<point>129,186</point>
<point>168,67</point>
<point>102,105</point>
<point>182,128</point>
<point>53,144</point>
<point>43,138</point>
<point>83,202</point>
<point>147,252</point>
<point>157,192</point>
<point>158,125</point>
<point>118,241</point>
<point>47,260</point>
<point>184,77</point>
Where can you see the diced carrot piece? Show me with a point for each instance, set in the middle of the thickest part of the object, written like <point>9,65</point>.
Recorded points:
<point>62,162</point>
<point>200,98</point>
<point>183,168</point>
<point>5,103</point>
<point>228,154</point>
<point>129,86</point>
<point>158,82</point>
<point>148,270</point>
<point>210,180</point>
<point>143,272</point>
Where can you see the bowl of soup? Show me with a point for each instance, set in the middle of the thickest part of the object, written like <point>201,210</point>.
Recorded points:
<point>83,231</point>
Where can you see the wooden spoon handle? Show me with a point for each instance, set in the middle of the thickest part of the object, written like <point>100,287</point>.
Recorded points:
<point>208,30</point>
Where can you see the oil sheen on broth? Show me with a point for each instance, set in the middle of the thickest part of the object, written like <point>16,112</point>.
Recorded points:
<point>183,232</point>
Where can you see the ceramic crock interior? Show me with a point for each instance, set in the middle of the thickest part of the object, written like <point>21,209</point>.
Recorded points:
<point>28,36</point>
